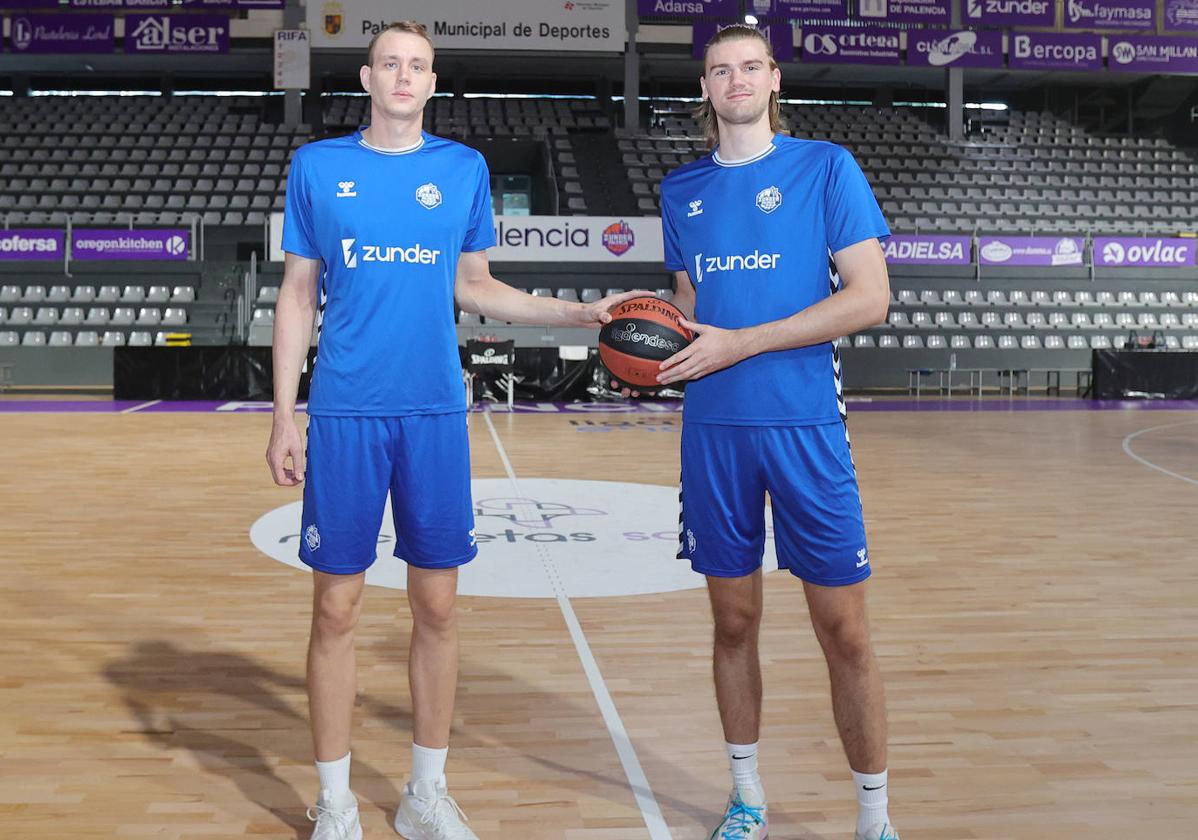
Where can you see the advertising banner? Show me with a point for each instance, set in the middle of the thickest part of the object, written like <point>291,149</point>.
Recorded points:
<point>1031,250</point>
<point>799,9</point>
<point>688,8</point>
<point>927,249</point>
<point>851,45</point>
<point>62,33</point>
<point>1050,51</point>
<point>1122,251</point>
<point>577,25</point>
<point>1133,54</point>
<point>907,11</point>
<point>32,244</point>
<point>121,244</point>
<point>1010,12</point>
<point>564,239</point>
<point>1181,15</point>
<point>1110,14</point>
<point>176,33</point>
<point>780,33</point>
<point>954,48</point>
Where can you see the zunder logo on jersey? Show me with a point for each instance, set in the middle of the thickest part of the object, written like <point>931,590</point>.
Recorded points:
<point>769,199</point>
<point>428,196</point>
<point>416,254</point>
<point>756,261</point>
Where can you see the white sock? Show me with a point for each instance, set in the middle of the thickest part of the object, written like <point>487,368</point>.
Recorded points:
<point>871,799</point>
<point>428,764</point>
<point>334,776</point>
<point>743,760</point>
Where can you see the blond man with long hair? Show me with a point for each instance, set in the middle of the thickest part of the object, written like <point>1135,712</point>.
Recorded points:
<point>775,247</point>
<point>388,228</point>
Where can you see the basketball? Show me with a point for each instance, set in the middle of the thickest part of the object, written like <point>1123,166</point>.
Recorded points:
<point>643,332</point>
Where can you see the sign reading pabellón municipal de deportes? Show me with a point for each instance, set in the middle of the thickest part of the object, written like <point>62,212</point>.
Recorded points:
<point>121,244</point>
<point>32,244</point>
<point>573,25</point>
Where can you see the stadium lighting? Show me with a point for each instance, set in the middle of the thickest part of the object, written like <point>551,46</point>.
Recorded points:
<point>751,20</point>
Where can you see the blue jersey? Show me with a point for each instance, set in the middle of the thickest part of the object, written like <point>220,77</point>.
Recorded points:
<point>389,227</point>
<point>756,237</point>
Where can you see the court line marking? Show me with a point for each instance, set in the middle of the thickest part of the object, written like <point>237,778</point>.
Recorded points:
<point>135,408</point>
<point>1127,448</point>
<point>637,781</point>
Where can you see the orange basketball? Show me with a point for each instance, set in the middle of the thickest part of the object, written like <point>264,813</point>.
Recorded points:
<point>643,332</point>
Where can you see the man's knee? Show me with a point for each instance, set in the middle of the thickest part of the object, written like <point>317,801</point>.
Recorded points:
<point>844,640</point>
<point>336,613</point>
<point>736,624</point>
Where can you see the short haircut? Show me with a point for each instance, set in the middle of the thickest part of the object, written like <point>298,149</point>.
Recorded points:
<point>409,26</point>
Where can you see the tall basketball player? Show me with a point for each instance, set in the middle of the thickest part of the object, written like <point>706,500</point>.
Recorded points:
<point>749,232</point>
<point>388,227</point>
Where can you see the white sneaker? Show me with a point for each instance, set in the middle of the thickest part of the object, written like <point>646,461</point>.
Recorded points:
<point>428,812</point>
<point>881,831</point>
<point>336,818</point>
<point>742,821</point>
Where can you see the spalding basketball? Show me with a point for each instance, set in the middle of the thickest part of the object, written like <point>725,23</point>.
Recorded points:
<point>643,332</point>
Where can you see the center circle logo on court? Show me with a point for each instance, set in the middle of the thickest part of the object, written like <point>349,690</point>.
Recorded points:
<point>598,538</point>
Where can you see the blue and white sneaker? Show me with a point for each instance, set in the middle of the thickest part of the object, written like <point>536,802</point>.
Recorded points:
<point>881,831</point>
<point>742,821</point>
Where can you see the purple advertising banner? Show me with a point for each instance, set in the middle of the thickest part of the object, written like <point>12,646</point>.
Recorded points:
<point>176,33</point>
<point>1031,250</point>
<point>1121,251</point>
<point>1146,54</point>
<point>1050,51</point>
<point>781,37</point>
<point>32,244</point>
<point>954,48</point>
<point>68,33</point>
<point>1009,12</point>
<point>24,5</point>
<point>688,8</point>
<point>919,249</point>
<point>1110,14</point>
<point>799,9</point>
<point>1181,14</point>
<point>906,11</point>
<point>120,244</point>
<point>851,45</point>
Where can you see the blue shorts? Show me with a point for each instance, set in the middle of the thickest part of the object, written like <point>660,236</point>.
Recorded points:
<point>808,472</point>
<point>352,462</point>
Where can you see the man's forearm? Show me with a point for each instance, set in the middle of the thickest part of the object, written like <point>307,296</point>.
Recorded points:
<point>843,313</point>
<point>497,301</point>
<point>292,337</point>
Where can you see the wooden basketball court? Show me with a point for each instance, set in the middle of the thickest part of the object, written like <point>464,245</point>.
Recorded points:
<point>1034,606</point>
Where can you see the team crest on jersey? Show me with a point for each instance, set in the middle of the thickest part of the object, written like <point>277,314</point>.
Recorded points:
<point>769,199</point>
<point>429,196</point>
<point>312,537</point>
